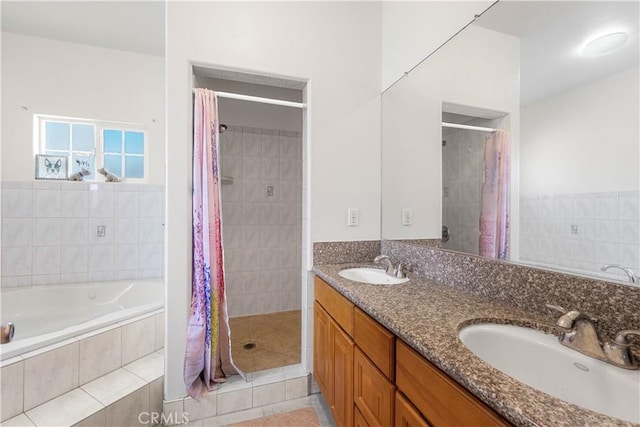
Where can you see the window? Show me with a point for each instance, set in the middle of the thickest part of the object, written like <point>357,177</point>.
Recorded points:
<point>120,148</point>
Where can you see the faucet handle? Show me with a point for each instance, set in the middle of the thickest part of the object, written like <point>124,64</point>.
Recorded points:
<point>618,350</point>
<point>401,270</point>
<point>621,337</point>
<point>556,308</point>
<point>569,317</point>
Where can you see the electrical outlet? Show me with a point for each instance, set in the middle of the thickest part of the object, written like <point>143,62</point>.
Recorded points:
<point>101,231</point>
<point>574,229</point>
<point>353,217</point>
<point>407,216</point>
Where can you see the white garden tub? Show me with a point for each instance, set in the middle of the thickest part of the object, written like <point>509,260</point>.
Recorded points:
<point>44,315</point>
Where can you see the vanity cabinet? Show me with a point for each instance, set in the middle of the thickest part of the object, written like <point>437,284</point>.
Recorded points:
<point>441,400</point>
<point>333,351</point>
<point>406,414</point>
<point>370,378</point>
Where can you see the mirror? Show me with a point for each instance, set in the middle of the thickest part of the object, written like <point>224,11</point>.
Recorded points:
<point>572,120</point>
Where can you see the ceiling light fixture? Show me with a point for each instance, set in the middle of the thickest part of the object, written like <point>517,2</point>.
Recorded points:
<point>603,44</point>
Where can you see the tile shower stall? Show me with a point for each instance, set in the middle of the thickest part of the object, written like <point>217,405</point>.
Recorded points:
<point>262,219</point>
<point>69,232</point>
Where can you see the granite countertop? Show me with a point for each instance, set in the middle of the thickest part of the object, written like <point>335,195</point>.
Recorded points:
<point>427,316</point>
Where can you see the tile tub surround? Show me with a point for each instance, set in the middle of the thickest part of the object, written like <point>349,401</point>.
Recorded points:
<point>50,232</point>
<point>124,397</point>
<point>343,252</point>
<point>582,231</point>
<point>526,288</point>
<point>42,376</point>
<point>427,316</point>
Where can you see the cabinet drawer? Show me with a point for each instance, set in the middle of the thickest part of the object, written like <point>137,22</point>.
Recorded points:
<point>338,307</point>
<point>406,414</point>
<point>372,392</point>
<point>441,400</point>
<point>375,341</point>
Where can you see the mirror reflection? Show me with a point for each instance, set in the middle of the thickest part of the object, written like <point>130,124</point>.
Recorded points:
<point>561,79</point>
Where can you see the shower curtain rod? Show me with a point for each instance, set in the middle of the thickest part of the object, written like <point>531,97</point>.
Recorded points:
<point>261,100</point>
<point>467,127</point>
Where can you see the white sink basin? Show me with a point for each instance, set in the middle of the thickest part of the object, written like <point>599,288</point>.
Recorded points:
<point>540,361</point>
<point>372,276</point>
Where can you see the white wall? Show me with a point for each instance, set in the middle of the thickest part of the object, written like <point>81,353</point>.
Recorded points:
<point>411,30</point>
<point>333,45</point>
<point>584,140</point>
<point>66,79</point>
<point>460,73</point>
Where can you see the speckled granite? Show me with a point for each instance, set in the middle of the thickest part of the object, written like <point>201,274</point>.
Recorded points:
<point>428,315</point>
<point>341,252</point>
<point>449,290</point>
<point>435,243</point>
<point>615,306</point>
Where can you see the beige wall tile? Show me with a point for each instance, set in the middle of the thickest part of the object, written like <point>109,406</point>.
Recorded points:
<point>298,387</point>
<point>268,393</point>
<point>12,390</point>
<point>132,410</point>
<point>235,401</point>
<point>50,375</point>
<point>138,339</point>
<point>99,355</point>
<point>205,408</point>
<point>160,331</point>
<point>156,393</point>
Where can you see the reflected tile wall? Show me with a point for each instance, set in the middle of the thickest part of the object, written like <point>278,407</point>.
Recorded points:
<point>262,219</point>
<point>65,232</point>
<point>582,231</point>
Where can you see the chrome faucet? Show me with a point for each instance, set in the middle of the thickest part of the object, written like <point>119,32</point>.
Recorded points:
<point>580,334</point>
<point>399,271</point>
<point>6,333</point>
<point>630,274</point>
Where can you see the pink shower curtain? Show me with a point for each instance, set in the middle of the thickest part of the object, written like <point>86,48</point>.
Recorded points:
<point>207,355</point>
<point>494,214</point>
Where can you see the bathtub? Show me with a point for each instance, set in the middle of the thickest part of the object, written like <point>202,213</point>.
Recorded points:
<point>44,315</point>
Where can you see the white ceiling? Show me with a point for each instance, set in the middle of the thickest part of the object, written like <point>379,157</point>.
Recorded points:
<point>550,31</point>
<point>551,34</point>
<point>135,26</point>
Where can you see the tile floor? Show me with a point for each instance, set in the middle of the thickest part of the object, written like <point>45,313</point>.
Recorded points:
<point>310,411</point>
<point>276,337</point>
<point>305,417</point>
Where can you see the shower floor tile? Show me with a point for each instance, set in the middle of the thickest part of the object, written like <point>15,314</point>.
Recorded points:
<point>266,341</point>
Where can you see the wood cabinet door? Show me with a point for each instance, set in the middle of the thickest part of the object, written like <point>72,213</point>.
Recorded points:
<point>341,347</point>
<point>406,414</point>
<point>358,419</point>
<point>373,393</point>
<point>321,352</point>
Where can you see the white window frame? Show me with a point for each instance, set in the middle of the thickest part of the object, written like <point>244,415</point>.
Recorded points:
<point>100,126</point>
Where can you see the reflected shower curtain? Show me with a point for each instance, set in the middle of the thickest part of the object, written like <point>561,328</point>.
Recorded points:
<point>494,210</point>
<point>207,355</point>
